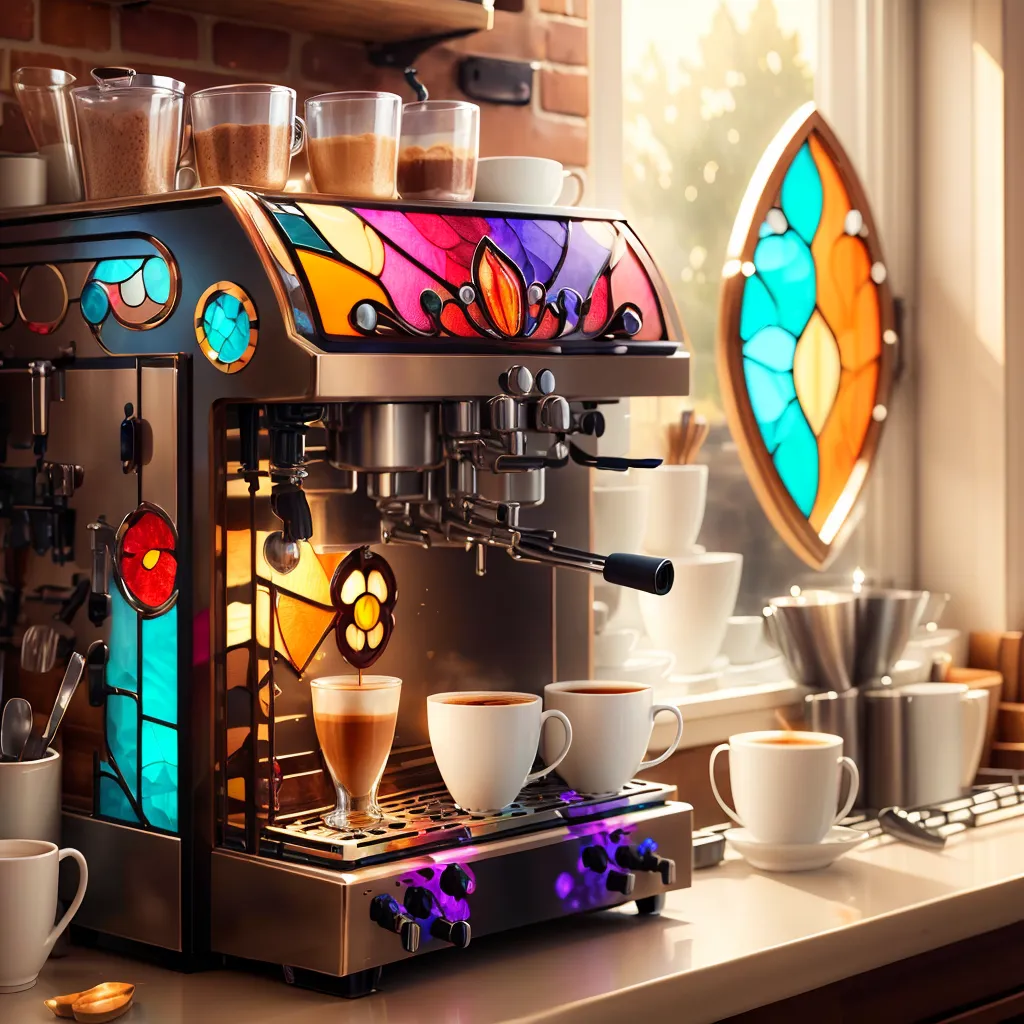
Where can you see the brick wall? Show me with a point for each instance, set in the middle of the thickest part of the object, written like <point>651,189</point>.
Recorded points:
<point>203,50</point>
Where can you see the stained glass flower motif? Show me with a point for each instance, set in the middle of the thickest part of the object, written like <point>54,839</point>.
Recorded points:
<point>146,560</point>
<point>139,292</point>
<point>227,326</point>
<point>364,594</point>
<point>806,345</point>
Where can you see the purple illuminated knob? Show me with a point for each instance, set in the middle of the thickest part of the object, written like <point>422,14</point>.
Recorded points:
<point>595,858</point>
<point>455,882</point>
<point>418,901</point>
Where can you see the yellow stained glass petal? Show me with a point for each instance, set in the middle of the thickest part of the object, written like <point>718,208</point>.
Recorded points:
<point>816,370</point>
<point>367,612</point>
<point>308,579</point>
<point>376,586</point>
<point>355,637</point>
<point>353,239</point>
<point>353,587</point>
<point>337,288</point>
<point>376,635</point>
<point>303,626</point>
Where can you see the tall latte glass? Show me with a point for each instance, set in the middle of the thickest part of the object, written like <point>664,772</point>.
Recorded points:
<point>355,724</point>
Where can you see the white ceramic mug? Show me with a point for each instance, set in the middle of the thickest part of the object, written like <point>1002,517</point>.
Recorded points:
<point>678,497</point>
<point>28,907</point>
<point>485,742</point>
<point>30,798</point>
<point>786,784</point>
<point>22,180</point>
<point>612,725</point>
<point>938,720</point>
<point>526,180</point>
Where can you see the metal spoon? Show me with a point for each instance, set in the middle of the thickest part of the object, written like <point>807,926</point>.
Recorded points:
<point>15,728</point>
<point>897,822</point>
<point>36,746</point>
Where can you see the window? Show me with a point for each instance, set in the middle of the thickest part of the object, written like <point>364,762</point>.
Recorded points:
<point>705,86</point>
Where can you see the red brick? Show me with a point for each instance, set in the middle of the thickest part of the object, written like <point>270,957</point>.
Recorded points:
<point>245,46</point>
<point>36,59</point>
<point>517,131</point>
<point>324,59</point>
<point>84,26</point>
<point>567,43</point>
<point>14,136</point>
<point>563,93</point>
<point>162,33</point>
<point>514,37</point>
<point>17,19</point>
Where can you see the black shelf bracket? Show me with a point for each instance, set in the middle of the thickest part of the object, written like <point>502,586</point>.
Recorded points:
<point>403,55</point>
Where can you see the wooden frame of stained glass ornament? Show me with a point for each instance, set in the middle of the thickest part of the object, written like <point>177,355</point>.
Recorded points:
<point>806,345</point>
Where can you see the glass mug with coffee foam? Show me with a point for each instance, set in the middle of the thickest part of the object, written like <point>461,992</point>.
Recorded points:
<point>786,784</point>
<point>245,135</point>
<point>352,143</point>
<point>612,725</point>
<point>355,725</point>
<point>485,742</point>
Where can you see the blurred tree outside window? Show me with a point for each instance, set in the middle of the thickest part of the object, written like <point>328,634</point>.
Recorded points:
<point>707,84</point>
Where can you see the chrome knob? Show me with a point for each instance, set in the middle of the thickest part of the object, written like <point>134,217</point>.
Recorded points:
<point>553,414</point>
<point>518,381</point>
<point>545,382</point>
<point>507,414</point>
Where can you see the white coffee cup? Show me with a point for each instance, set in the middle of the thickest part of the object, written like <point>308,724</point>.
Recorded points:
<point>938,720</point>
<point>30,798</point>
<point>22,180</point>
<point>525,180</point>
<point>786,784</point>
<point>28,907</point>
<point>484,751</point>
<point>612,724</point>
<point>678,496</point>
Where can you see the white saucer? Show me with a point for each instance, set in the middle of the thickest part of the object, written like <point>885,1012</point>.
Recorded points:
<point>793,856</point>
<point>698,682</point>
<point>643,667</point>
<point>771,670</point>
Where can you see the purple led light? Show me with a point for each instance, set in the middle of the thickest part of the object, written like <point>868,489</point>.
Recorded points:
<point>570,796</point>
<point>647,846</point>
<point>563,885</point>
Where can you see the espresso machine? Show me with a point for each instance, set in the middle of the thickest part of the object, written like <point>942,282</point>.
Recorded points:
<point>209,398</point>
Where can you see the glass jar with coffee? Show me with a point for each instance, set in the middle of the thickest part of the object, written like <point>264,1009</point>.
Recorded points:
<point>353,143</point>
<point>245,135</point>
<point>439,149</point>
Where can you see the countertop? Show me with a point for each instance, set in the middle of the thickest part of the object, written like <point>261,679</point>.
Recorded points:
<point>736,940</point>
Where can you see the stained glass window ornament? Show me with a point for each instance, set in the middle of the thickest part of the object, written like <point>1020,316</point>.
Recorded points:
<point>418,274</point>
<point>227,327</point>
<point>140,292</point>
<point>806,345</point>
<point>145,560</point>
<point>364,593</point>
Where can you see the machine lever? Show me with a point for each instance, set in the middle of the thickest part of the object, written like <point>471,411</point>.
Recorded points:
<point>640,572</point>
<point>610,462</point>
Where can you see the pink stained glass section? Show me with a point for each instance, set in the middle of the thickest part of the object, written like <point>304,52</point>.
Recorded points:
<point>630,284</point>
<point>405,283</point>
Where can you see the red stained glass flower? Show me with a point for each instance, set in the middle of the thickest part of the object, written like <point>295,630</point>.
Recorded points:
<point>146,559</point>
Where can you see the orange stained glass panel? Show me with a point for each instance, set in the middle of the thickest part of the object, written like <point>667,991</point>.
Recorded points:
<point>835,205</point>
<point>841,440</point>
<point>330,560</point>
<point>308,579</point>
<point>303,627</point>
<point>337,288</point>
<point>500,290</point>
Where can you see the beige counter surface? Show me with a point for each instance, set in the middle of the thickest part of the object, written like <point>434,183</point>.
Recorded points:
<point>736,940</point>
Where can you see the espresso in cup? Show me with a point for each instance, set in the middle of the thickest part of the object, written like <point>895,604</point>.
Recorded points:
<point>612,724</point>
<point>355,723</point>
<point>485,742</point>
<point>785,785</point>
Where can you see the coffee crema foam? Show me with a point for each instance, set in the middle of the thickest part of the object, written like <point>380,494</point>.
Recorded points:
<point>601,690</point>
<point>477,700</point>
<point>792,740</point>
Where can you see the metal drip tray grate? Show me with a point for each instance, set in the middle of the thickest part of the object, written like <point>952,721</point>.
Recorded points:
<point>428,817</point>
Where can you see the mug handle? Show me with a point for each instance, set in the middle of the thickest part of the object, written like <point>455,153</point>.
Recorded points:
<point>655,711</point>
<point>714,785</point>
<point>975,727</point>
<point>183,172</point>
<point>83,881</point>
<point>851,767</point>
<point>298,134</point>
<point>551,713</point>
<point>581,184</point>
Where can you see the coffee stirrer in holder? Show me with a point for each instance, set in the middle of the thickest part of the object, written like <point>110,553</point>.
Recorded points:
<point>686,437</point>
<point>365,593</point>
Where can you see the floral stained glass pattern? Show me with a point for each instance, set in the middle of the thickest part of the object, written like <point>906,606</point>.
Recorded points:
<point>389,272</point>
<point>806,340</point>
<point>146,558</point>
<point>227,327</point>
<point>139,292</point>
<point>364,593</point>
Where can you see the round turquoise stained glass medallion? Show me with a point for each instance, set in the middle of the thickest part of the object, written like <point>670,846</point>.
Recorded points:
<point>226,326</point>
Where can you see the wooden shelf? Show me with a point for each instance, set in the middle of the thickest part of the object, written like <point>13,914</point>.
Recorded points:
<point>363,21</point>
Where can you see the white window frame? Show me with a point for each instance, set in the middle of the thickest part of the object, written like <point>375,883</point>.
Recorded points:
<point>865,87</point>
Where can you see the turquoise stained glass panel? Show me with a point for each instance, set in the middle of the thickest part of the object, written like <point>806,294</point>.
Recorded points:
<point>758,309</point>
<point>95,304</point>
<point>157,279</point>
<point>769,392</point>
<point>802,195</point>
<point>796,457</point>
<point>786,267</point>
<point>772,347</point>
<point>301,232</point>
<point>226,325</point>
<point>115,271</point>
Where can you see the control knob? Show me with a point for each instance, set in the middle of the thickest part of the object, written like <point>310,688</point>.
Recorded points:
<point>516,381</point>
<point>420,903</point>
<point>620,881</point>
<point>455,882</point>
<point>595,858</point>
<point>630,857</point>
<point>388,914</point>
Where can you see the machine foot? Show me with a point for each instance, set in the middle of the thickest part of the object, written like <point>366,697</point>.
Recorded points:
<point>351,986</point>
<point>651,904</point>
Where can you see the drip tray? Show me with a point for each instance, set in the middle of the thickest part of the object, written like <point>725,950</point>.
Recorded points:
<point>428,817</point>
